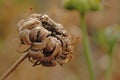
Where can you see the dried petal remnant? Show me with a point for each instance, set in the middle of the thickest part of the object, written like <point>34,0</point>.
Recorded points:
<point>50,43</point>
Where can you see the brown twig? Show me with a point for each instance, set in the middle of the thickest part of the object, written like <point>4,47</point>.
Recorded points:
<point>21,59</point>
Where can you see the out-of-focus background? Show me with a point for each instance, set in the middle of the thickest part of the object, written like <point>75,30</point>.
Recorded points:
<point>11,11</point>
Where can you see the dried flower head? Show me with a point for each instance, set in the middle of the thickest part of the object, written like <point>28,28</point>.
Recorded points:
<point>49,41</point>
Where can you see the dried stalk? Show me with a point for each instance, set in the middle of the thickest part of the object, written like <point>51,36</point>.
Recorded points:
<point>14,66</point>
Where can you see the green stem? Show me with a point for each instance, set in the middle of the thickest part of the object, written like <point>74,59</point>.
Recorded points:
<point>86,47</point>
<point>109,69</point>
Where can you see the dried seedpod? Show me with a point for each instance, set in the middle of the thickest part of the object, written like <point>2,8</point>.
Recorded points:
<point>49,42</point>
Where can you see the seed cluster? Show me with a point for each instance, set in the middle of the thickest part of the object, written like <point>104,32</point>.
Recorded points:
<point>49,41</point>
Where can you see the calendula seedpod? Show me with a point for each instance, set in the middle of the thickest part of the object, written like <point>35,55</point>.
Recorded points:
<point>50,42</point>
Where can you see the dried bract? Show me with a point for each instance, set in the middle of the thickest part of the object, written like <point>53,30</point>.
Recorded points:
<point>49,41</point>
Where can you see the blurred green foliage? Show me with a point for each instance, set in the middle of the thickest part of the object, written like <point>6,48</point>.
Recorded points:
<point>82,6</point>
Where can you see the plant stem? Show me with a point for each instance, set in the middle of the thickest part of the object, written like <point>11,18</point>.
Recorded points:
<point>86,48</point>
<point>10,70</point>
<point>109,69</point>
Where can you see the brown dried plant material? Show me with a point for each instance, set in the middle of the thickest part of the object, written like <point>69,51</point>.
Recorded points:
<point>49,41</point>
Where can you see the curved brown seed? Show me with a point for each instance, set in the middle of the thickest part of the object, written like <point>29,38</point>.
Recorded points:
<point>35,54</point>
<point>33,34</point>
<point>24,36</point>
